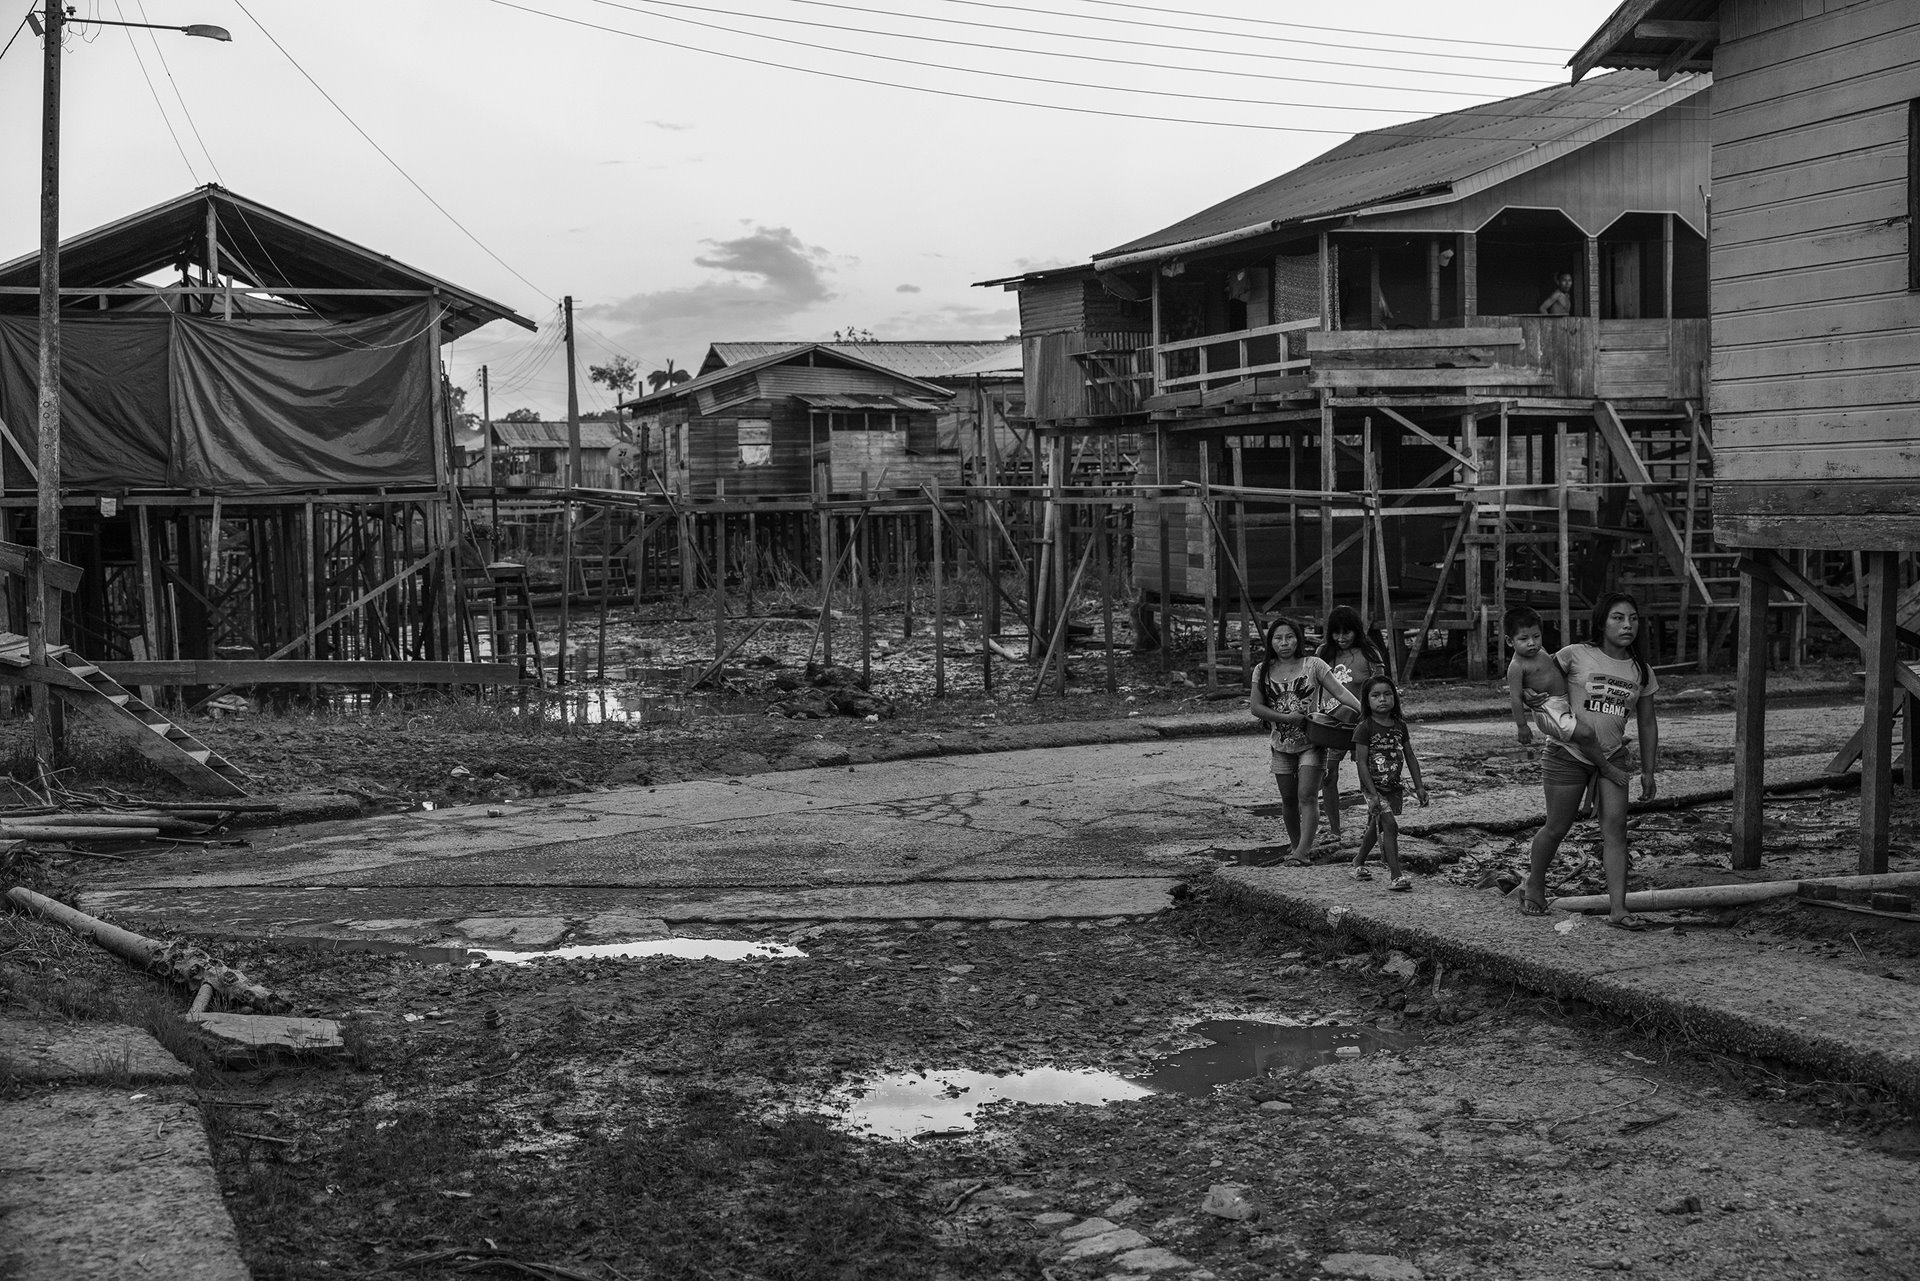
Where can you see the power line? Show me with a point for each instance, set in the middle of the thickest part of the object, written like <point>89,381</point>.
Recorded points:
<point>1138,44</point>
<point>178,96</point>
<point>1264,22</point>
<point>959,94</point>
<point>389,159</point>
<point>1185,28</point>
<point>134,44</point>
<point>16,33</point>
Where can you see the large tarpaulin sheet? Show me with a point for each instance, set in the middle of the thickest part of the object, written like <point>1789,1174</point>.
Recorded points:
<point>195,402</point>
<point>114,414</point>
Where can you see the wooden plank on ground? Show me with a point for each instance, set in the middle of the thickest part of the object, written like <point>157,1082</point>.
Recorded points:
<point>288,671</point>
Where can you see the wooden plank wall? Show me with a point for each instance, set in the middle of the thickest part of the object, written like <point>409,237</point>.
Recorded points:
<point>883,459</point>
<point>1816,388</point>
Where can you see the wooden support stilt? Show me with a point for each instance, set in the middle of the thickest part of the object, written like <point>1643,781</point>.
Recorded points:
<point>939,605</point>
<point>1564,541</point>
<point>1880,586</point>
<point>1209,564</point>
<point>1328,473</point>
<point>1475,601</point>
<point>1749,721</point>
<point>861,559</point>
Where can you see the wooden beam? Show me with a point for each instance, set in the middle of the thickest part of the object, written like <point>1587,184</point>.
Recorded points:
<point>289,671</point>
<point>1749,721</point>
<point>1659,524</point>
<point>1883,663</point>
<point>1668,29</point>
<point>17,558</point>
<point>1425,435</point>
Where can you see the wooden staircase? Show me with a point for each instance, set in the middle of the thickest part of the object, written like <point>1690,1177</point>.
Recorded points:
<point>114,707</point>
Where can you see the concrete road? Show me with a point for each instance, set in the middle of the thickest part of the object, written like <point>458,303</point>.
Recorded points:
<point>1096,831</point>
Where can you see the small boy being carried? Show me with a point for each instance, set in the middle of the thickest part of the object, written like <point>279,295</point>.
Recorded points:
<point>1539,691</point>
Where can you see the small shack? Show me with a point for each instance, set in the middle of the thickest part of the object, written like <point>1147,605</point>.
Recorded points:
<point>534,456</point>
<point>1816,339</point>
<point>256,448</point>
<point>813,420</point>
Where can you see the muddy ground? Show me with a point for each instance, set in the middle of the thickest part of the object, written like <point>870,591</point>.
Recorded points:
<point>671,1119</point>
<point>641,725</point>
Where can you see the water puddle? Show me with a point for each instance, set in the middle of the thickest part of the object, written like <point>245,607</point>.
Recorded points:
<point>914,1105</point>
<point>1242,1049</point>
<point>924,1105</point>
<point>684,949</point>
<point>1257,856</point>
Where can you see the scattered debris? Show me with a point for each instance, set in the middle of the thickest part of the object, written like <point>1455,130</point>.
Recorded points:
<point>1230,1201</point>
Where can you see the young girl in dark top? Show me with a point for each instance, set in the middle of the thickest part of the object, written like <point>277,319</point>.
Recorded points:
<point>1352,657</point>
<point>1287,687</point>
<point>1380,748</point>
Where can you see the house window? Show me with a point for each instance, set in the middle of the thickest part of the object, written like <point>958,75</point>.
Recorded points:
<point>756,442</point>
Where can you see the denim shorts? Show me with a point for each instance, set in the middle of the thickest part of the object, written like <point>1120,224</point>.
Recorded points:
<point>1293,762</point>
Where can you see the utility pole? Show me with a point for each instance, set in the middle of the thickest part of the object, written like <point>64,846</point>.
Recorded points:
<point>43,607</point>
<point>573,404</point>
<point>486,429</point>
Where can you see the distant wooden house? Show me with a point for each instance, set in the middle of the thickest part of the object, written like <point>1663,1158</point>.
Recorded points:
<point>984,377</point>
<point>815,419</point>
<point>1370,323</point>
<point>1816,330</point>
<point>534,455</point>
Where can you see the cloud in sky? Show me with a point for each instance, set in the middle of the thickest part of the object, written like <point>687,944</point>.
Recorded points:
<point>906,289</point>
<point>770,276</point>
<point>672,126</point>
<point>950,320</point>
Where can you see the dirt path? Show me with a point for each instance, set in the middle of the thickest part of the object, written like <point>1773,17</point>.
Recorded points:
<point>662,1119</point>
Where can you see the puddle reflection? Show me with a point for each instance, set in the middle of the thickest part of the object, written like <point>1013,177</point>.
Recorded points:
<point>685,949</point>
<point>905,1105</point>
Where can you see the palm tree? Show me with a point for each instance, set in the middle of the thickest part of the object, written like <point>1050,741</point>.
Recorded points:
<point>667,377</point>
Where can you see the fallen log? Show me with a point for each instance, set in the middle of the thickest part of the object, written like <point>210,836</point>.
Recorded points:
<point>184,964</point>
<point>1732,895</point>
<point>74,832</point>
<point>168,824</point>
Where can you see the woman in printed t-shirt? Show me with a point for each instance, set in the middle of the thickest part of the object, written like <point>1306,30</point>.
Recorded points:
<point>1609,684</point>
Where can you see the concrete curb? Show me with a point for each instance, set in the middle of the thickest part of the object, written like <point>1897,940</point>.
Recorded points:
<point>1712,990</point>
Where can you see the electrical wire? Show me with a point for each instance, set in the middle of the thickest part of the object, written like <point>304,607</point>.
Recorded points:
<point>445,212</point>
<point>134,44</point>
<point>178,96</point>
<point>1386,131</point>
<point>16,33</point>
<point>1165,26</point>
<point>1087,57</point>
<point>1264,22</point>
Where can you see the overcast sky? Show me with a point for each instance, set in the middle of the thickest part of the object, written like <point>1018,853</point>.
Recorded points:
<point>737,169</point>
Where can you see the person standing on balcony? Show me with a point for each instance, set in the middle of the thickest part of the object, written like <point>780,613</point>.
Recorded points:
<point>1560,301</point>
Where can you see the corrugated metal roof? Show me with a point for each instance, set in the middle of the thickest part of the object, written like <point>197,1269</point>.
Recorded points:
<point>853,353</point>
<point>865,400</point>
<point>914,359</point>
<point>1440,154</point>
<point>554,435</point>
<point>1008,362</point>
<point>1618,42</point>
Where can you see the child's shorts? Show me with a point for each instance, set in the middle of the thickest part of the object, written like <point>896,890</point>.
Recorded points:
<point>1561,766</point>
<point>1393,796</point>
<point>1290,763</point>
<point>1555,719</point>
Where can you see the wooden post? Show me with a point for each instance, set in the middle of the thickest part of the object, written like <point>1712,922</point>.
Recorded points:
<point>1209,563</point>
<point>1106,592</point>
<point>828,572</point>
<point>1566,549</point>
<point>1166,550</point>
<point>1749,720</point>
<point>1592,309</point>
<point>863,548</point>
<point>939,605</point>
<point>719,578</point>
<point>1366,524</point>
<point>1329,471</point>
<point>1504,472</point>
<point>1476,605</point>
<point>1666,266</point>
<point>1433,283</point>
<point>1881,586</point>
<point>1469,277</point>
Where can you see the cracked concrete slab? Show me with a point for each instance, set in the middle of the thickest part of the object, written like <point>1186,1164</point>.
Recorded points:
<point>45,1050</point>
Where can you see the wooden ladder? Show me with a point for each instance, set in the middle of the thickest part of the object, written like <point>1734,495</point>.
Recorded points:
<point>115,707</point>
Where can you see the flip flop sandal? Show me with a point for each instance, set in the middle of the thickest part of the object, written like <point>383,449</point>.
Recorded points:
<point>1532,907</point>
<point>1631,924</point>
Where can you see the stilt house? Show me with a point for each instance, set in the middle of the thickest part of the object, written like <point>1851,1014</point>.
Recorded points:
<point>813,419</point>
<point>1816,335</point>
<point>1346,390</point>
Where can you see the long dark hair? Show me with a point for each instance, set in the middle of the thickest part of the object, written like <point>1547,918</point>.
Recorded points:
<point>1366,688</point>
<point>1299,639</point>
<point>1597,630</point>
<point>1345,618</point>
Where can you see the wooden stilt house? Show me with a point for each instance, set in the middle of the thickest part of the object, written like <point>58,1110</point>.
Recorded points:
<point>1346,391</point>
<point>1816,339</point>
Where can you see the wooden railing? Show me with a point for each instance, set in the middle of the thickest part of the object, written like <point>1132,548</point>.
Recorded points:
<point>1244,362</point>
<point>1559,356</point>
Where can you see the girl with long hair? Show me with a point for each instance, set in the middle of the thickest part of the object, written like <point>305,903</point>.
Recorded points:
<point>1288,686</point>
<point>1352,657</point>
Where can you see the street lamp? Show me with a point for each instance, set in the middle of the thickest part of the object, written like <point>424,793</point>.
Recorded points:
<point>48,26</point>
